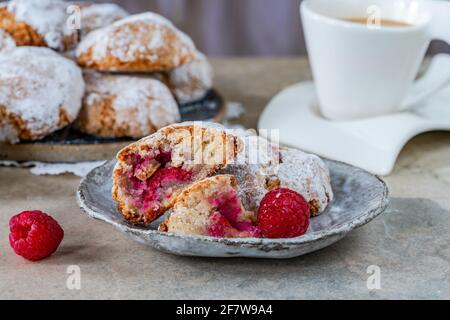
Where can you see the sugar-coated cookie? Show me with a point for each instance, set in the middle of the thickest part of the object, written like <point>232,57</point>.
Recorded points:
<point>125,106</point>
<point>145,42</point>
<point>40,92</point>
<point>191,81</point>
<point>95,16</point>
<point>38,23</point>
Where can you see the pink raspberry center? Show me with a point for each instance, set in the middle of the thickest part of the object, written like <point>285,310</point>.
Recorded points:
<point>147,194</point>
<point>228,220</point>
<point>160,185</point>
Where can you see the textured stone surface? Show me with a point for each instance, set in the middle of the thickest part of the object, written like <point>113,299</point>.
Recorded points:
<point>410,242</point>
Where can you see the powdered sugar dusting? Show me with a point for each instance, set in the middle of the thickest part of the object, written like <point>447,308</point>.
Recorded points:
<point>153,18</point>
<point>135,37</point>
<point>100,15</point>
<point>6,41</point>
<point>144,102</point>
<point>191,81</point>
<point>307,174</point>
<point>36,85</point>
<point>47,17</point>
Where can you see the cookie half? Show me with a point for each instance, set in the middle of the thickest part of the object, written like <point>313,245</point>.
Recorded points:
<point>152,172</point>
<point>211,207</point>
<point>98,15</point>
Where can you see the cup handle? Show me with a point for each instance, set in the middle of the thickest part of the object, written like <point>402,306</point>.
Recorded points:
<point>438,73</point>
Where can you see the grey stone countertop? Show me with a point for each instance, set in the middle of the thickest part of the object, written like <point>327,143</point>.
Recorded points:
<point>409,243</point>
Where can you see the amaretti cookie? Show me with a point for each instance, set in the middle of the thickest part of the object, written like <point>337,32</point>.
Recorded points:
<point>125,106</point>
<point>38,23</point>
<point>191,81</point>
<point>308,175</point>
<point>211,207</point>
<point>151,173</point>
<point>262,167</point>
<point>95,16</point>
<point>40,92</point>
<point>145,42</point>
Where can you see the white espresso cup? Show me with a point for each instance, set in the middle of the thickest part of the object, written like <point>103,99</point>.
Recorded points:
<point>368,69</point>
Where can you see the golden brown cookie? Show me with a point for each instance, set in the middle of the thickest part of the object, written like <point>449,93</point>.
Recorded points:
<point>38,23</point>
<point>125,106</point>
<point>40,92</point>
<point>145,42</point>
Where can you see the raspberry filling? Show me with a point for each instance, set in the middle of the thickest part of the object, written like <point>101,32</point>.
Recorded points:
<point>151,181</point>
<point>161,186</point>
<point>229,219</point>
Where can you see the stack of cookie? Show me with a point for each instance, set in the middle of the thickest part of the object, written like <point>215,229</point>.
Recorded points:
<point>115,75</point>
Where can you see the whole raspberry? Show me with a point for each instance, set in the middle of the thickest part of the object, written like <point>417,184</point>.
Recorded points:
<point>34,235</point>
<point>283,213</point>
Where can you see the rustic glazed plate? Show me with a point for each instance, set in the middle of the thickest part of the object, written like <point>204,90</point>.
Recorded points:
<point>359,198</point>
<point>70,145</point>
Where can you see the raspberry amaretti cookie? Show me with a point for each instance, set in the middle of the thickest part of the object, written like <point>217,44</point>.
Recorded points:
<point>125,106</point>
<point>152,172</point>
<point>38,23</point>
<point>40,92</point>
<point>145,42</point>
<point>211,207</point>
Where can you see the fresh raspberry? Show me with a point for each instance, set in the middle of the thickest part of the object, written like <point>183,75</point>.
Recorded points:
<point>283,213</point>
<point>34,235</point>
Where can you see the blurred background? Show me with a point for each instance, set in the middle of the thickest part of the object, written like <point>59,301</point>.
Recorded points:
<point>237,27</point>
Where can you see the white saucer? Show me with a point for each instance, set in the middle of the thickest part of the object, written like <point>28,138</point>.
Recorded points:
<point>372,144</point>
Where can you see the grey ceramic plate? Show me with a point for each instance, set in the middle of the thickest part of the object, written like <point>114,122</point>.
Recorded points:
<point>359,198</point>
